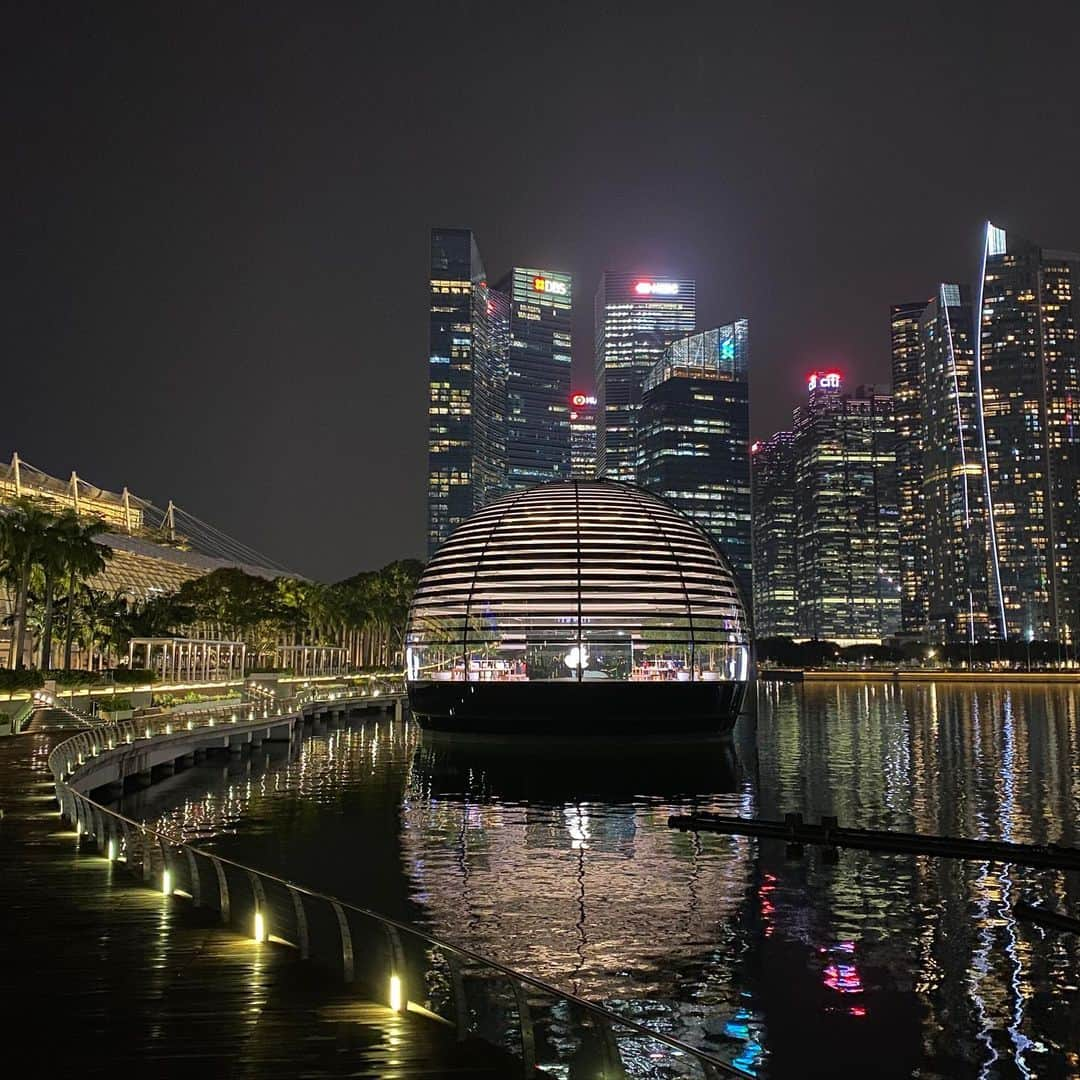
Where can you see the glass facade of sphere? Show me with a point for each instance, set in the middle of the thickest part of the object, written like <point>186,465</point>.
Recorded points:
<point>578,581</point>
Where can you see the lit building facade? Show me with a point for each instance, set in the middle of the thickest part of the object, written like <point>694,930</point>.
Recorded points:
<point>906,360</point>
<point>846,527</point>
<point>582,436</point>
<point>772,476</point>
<point>537,376</point>
<point>636,318</point>
<point>952,505</point>
<point>1028,364</point>
<point>693,436</point>
<point>468,339</point>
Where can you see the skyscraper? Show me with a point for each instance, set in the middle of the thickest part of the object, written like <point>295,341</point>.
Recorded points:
<point>952,515</point>
<point>1028,366</point>
<point>772,475</point>
<point>693,436</point>
<point>582,436</point>
<point>468,338</point>
<point>636,317</point>
<point>906,359</point>
<point>537,376</point>
<point>846,529</point>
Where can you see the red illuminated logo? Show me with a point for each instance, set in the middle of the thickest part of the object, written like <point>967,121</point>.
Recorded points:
<point>823,380</point>
<point>657,288</point>
<point>579,400</point>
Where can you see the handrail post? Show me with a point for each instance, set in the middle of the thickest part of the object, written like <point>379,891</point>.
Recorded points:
<point>303,940</point>
<point>147,858</point>
<point>258,896</point>
<point>397,960</point>
<point>461,1004</point>
<point>612,1068</point>
<point>346,941</point>
<point>223,888</point>
<point>193,874</point>
<point>525,1024</point>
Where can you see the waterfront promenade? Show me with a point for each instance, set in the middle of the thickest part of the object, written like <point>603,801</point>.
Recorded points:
<point>101,975</point>
<point>917,675</point>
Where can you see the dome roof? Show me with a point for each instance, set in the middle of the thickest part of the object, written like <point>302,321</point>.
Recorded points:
<point>593,565</point>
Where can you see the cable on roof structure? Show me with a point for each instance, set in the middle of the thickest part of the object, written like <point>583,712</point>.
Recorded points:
<point>125,513</point>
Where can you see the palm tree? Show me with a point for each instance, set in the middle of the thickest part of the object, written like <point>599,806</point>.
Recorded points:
<point>83,559</point>
<point>64,538</point>
<point>95,607</point>
<point>22,534</point>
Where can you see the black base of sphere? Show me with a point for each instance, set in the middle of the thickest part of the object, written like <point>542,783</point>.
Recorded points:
<point>568,768</point>
<point>600,707</point>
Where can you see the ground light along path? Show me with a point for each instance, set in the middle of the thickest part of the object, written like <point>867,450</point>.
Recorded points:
<point>115,978</point>
<point>496,1013</point>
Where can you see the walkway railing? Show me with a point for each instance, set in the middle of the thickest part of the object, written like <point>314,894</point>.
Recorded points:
<point>389,961</point>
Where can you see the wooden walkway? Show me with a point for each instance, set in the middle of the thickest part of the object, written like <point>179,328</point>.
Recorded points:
<point>103,976</point>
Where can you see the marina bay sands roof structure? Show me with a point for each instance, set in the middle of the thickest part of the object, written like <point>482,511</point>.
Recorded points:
<point>154,549</point>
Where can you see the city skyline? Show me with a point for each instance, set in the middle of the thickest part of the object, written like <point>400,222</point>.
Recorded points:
<point>243,250</point>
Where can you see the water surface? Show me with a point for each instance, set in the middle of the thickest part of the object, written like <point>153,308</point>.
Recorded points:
<point>558,860</point>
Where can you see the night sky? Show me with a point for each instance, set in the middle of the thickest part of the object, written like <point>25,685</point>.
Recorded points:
<point>218,215</point>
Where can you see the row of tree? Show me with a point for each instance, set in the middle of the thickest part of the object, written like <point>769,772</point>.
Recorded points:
<point>46,558</point>
<point>52,565</point>
<point>364,614</point>
<point>785,652</point>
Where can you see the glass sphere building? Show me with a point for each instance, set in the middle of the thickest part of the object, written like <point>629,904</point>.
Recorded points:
<point>580,605</point>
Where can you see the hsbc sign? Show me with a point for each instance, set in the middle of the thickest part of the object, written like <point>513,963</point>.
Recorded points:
<point>657,288</point>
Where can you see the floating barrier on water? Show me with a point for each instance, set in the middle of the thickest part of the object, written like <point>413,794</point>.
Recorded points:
<point>1046,917</point>
<point>829,835</point>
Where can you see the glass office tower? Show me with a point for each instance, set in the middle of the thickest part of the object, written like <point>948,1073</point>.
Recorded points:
<point>1028,364</point>
<point>636,317</point>
<point>953,504</point>
<point>772,479</point>
<point>693,437</point>
<point>906,359</point>
<point>846,527</point>
<point>582,436</point>
<point>537,376</point>
<point>468,337</point>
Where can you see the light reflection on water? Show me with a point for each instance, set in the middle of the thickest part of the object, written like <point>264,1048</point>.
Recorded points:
<point>558,860</point>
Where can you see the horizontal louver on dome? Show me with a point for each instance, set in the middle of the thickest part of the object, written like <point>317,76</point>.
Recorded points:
<point>578,579</point>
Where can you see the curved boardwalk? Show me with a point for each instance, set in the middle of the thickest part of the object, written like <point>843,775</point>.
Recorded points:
<point>101,975</point>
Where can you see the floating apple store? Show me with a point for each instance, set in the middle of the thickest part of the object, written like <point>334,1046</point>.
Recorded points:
<point>581,605</point>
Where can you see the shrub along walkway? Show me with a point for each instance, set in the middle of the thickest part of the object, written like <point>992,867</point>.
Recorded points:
<point>101,975</point>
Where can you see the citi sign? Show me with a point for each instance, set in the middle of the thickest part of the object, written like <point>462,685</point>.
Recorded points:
<point>657,288</point>
<point>824,380</point>
<point>547,285</point>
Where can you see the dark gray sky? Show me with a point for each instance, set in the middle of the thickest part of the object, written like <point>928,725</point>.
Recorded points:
<point>217,215</point>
